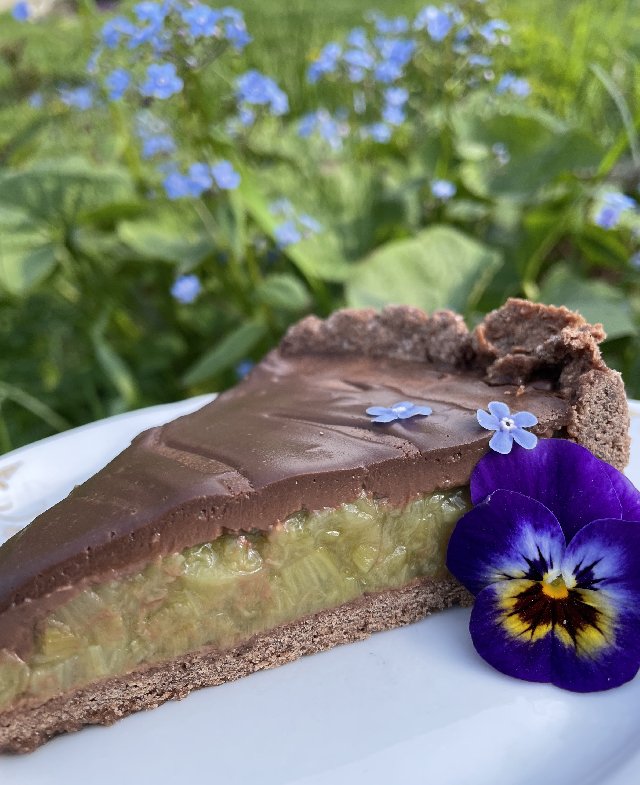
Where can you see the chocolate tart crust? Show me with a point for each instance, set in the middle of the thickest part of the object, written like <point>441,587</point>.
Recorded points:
<point>24,728</point>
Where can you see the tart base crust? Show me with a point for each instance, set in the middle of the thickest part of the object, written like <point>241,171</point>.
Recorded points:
<point>28,726</point>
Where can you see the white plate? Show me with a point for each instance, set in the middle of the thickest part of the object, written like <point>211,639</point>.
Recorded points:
<point>414,705</point>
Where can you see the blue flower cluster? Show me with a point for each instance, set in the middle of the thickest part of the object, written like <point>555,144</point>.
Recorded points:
<point>294,227</point>
<point>374,60</point>
<point>613,207</point>
<point>199,178</point>
<point>257,91</point>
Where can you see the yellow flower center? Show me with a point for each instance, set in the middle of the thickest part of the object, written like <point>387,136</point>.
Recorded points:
<point>557,589</point>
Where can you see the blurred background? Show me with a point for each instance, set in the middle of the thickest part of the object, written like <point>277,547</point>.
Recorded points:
<point>180,181</point>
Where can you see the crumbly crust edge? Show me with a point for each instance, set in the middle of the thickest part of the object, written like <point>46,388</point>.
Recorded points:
<point>520,343</point>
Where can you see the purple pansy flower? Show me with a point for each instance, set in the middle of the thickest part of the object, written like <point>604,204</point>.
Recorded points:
<point>552,553</point>
<point>509,428</point>
<point>399,411</point>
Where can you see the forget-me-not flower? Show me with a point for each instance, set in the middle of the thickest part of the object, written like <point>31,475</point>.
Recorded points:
<point>225,176</point>
<point>163,144</point>
<point>436,21</point>
<point>77,97</point>
<point>162,81</point>
<point>517,86</point>
<point>325,63</point>
<point>186,288</point>
<point>256,89</point>
<point>509,428</point>
<point>402,410</point>
<point>614,206</point>
<point>21,11</point>
<point>117,83</point>
<point>114,29</point>
<point>201,20</point>
<point>443,190</point>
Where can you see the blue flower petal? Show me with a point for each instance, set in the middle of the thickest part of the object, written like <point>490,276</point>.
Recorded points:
<point>488,421</point>
<point>563,476</point>
<point>524,419</point>
<point>524,438</point>
<point>403,404</point>
<point>628,494</point>
<point>424,410</point>
<point>502,442</point>
<point>388,417</point>
<point>604,560</point>
<point>499,409</point>
<point>507,536</point>
<point>516,652</point>
<point>375,410</point>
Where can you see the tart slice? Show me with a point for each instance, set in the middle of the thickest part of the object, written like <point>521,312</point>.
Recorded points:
<point>280,520</point>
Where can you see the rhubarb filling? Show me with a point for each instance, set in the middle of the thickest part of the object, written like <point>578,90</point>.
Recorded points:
<point>222,593</point>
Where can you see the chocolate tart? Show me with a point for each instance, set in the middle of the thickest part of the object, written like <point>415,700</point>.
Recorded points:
<point>279,520</point>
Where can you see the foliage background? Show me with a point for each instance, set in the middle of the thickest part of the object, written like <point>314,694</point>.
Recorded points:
<point>90,247</point>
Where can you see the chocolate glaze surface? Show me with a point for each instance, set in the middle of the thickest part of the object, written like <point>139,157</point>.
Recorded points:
<point>293,435</point>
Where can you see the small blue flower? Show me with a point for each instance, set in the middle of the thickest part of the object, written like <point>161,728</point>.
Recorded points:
<point>191,185</point>
<point>443,190</point>
<point>489,29</point>
<point>379,132</point>
<point>386,26</point>
<point>21,11</point>
<point>201,20</point>
<point>282,207</point>
<point>256,89</point>
<point>200,178</point>
<point>243,368</point>
<point>359,58</point>
<point>78,97</point>
<point>246,116</point>
<point>309,224</point>
<point>114,29</point>
<point>235,29</point>
<point>325,63</point>
<point>396,96</point>
<point>117,83</point>
<point>399,411</point>
<point>509,428</point>
<point>158,145</point>
<point>287,233</point>
<point>436,21</point>
<point>329,128</point>
<point>186,288</point>
<point>480,61</point>
<point>393,115</point>
<point>162,81</point>
<point>510,83</point>
<point>614,206</point>
<point>358,37</point>
<point>225,176</point>
<point>36,101</point>
<point>148,11</point>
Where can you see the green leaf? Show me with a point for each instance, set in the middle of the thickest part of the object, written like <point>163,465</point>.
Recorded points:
<point>26,259</point>
<point>438,268</point>
<point>166,242</point>
<point>284,293</point>
<point>230,350</point>
<point>319,256</point>
<point>57,193</point>
<point>114,366</point>
<point>597,301</point>
<point>539,153</point>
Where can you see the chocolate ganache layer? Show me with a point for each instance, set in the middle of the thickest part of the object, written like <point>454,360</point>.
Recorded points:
<point>295,436</point>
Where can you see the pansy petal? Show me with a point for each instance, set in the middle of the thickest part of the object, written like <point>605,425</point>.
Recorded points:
<point>501,442</point>
<point>605,554</point>
<point>488,421</point>
<point>499,409</point>
<point>524,438</point>
<point>507,536</point>
<point>376,410</point>
<point>563,476</point>
<point>602,652</point>
<point>507,645</point>
<point>524,419</point>
<point>628,494</point>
